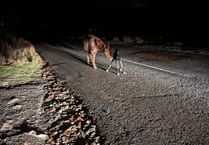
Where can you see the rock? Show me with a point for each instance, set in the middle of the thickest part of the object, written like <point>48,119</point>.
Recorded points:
<point>13,101</point>
<point>8,125</point>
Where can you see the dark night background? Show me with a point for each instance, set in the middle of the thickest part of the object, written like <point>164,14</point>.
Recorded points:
<point>180,20</point>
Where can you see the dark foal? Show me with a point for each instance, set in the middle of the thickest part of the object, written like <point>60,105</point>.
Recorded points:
<point>119,64</point>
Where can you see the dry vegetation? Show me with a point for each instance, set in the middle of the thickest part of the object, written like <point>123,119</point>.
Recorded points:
<point>18,59</point>
<point>15,50</point>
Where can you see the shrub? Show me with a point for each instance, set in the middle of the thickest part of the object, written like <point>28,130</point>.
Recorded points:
<point>15,50</point>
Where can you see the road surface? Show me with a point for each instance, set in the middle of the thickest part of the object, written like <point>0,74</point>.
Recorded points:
<point>162,100</point>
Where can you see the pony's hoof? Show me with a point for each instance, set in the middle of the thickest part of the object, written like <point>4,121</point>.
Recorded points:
<point>118,74</point>
<point>124,73</point>
<point>107,70</point>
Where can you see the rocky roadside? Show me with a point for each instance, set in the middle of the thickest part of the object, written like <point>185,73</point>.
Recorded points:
<point>45,111</point>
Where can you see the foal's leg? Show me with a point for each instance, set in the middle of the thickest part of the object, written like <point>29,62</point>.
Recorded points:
<point>109,66</point>
<point>117,64</point>
<point>121,67</point>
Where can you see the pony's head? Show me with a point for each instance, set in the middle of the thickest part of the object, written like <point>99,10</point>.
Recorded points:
<point>107,51</point>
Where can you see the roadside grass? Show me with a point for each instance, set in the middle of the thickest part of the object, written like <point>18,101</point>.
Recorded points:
<point>17,73</point>
<point>18,60</point>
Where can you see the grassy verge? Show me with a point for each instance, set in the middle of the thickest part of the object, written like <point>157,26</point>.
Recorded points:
<point>12,74</point>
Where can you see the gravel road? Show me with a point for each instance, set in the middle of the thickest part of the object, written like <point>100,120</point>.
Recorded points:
<point>162,100</point>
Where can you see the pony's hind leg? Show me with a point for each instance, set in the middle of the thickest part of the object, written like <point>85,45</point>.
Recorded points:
<point>93,57</point>
<point>87,58</point>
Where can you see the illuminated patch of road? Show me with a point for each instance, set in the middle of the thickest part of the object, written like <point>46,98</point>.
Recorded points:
<point>79,53</point>
<point>155,68</point>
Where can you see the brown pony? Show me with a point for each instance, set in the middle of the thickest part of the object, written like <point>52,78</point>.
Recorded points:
<point>92,45</point>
